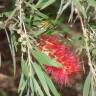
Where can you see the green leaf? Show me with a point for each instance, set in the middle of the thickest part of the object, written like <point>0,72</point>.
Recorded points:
<point>41,77</point>
<point>37,33</point>
<point>37,88</point>
<point>42,58</point>
<point>92,3</point>
<point>39,3</point>
<point>12,50</point>
<point>22,85</point>
<point>14,41</point>
<point>49,2</point>
<point>31,83</point>
<point>92,87</point>
<point>87,86</point>
<point>94,52</point>
<point>80,8</point>
<point>66,30</point>
<point>44,3</point>
<point>51,86</point>
<point>25,68</point>
<point>32,6</point>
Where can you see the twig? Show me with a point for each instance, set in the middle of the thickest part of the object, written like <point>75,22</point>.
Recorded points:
<point>86,45</point>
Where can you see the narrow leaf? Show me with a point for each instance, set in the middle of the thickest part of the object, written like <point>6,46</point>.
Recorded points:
<point>22,85</point>
<point>25,68</point>
<point>49,2</point>
<point>87,86</point>
<point>42,58</point>
<point>41,77</point>
<point>93,93</point>
<point>44,3</point>
<point>51,86</point>
<point>37,88</point>
<point>80,8</point>
<point>32,86</point>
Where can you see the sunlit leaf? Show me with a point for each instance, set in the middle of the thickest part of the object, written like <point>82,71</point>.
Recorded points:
<point>32,85</point>
<point>25,68</point>
<point>42,58</point>
<point>87,86</point>
<point>49,2</point>
<point>93,93</point>
<point>41,77</point>
<point>44,3</point>
<point>80,8</point>
<point>51,86</point>
<point>22,85</point>
<point>37,88</point>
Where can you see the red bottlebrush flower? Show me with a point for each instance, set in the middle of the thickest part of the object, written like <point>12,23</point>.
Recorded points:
<point>61,54</point>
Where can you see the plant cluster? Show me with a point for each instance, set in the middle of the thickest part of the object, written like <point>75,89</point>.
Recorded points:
<point>29,21</point>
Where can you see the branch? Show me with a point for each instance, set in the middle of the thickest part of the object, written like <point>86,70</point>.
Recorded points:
<point>86,45</point>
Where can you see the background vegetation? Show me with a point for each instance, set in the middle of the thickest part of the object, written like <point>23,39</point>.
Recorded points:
<point>23,21</point>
